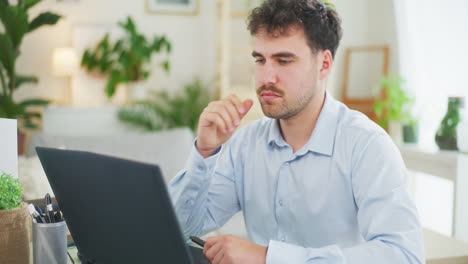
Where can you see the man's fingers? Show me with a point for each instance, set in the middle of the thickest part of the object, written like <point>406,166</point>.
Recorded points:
<point>236,102</point>
<point>219,256</point>
<point>232,109</point>
<point>229,115</point>
<point>215,118</point>
<point>213,240</point>
<point>226,114</point>
<point>246,105</point>
<point>213,251</point>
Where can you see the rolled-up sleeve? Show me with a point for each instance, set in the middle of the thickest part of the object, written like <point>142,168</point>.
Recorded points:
<point>204,198</point>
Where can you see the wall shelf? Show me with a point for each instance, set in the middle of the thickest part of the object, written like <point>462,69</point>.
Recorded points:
<point>450,165</point>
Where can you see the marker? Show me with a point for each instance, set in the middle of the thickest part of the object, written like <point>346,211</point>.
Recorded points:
<point>50,210</point>
<point>58,216</point>
<point>197,241</point>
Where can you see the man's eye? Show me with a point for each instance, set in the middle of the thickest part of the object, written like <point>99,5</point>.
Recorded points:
<point>284,62</point>
<point>259,61</point>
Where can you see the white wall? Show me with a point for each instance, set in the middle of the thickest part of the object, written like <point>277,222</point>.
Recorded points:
<point>193,39</point>
<point>364,23</point>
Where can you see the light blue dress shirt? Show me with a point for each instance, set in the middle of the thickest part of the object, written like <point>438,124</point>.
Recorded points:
<point>341,198</point>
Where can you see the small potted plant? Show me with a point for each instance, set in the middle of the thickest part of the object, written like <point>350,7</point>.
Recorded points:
<point>393,110</point>
<point>15,222</point>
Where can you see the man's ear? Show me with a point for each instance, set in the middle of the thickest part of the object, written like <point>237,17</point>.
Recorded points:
<point>325,64</point>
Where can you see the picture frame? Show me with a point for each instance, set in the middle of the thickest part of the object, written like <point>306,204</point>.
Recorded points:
<point>172,7</point>
<point>364,67</point>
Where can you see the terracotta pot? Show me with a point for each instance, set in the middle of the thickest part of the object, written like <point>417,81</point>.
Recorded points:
<point>21,142</point>
<point>15,234</point>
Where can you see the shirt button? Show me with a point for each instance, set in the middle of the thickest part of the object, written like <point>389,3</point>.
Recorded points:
<point>280,202</point>
<point>201,168</point>
<point>189,202</point>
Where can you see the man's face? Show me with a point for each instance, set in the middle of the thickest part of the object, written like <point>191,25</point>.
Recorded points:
<point>286,72</point>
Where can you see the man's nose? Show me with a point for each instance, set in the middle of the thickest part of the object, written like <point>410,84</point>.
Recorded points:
<point>267,75</point>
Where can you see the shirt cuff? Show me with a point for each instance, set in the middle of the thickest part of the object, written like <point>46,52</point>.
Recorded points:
<point>282,253</point>
<point>196,164</point>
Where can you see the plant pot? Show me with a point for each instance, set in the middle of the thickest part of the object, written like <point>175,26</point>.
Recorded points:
<point>462,136</point>
<point>21,142</point>
<point>15,234</point>
<point>410,133</point>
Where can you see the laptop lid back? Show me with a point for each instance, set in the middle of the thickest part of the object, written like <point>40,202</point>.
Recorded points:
<point>118,211</point>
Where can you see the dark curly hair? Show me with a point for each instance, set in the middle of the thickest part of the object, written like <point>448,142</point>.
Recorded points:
<point>321,23</point>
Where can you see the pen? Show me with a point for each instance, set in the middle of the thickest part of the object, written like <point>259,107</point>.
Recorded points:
<point>35,215</point>
<point>49,209</point>
<point>197,241</point>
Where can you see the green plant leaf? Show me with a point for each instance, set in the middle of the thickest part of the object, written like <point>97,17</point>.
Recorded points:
<point>396,104</point>
<point>46,18</point>
<point>9,108</point>
<point>163,111</point>
<point>34,102</point>
<point>20,80</point>
<point>11,192</point>
<point>30,115</point>
<point>124,60</point>
<point>30,3</point>
<point>166,66</point>
<point>15,22</point>
<point>112,83</point>
<point>7,54</point>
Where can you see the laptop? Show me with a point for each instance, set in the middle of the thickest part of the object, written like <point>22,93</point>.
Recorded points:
<point>117,210</point>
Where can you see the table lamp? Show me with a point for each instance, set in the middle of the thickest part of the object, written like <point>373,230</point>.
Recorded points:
<point>65,64</point>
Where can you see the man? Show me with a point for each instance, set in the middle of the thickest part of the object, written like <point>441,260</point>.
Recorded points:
<point>317,182</point>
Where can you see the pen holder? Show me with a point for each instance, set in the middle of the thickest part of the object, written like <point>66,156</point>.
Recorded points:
<point>50,243</point>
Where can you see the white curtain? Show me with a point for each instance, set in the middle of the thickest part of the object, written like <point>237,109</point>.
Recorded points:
<point>433,56</point>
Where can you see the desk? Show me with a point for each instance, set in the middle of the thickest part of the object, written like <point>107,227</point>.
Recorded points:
<point>439,249</point>
<point>442,249</point>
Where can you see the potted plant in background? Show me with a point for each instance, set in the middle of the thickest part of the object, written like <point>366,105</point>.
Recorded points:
<point>393,110</point>
<point>14,222</point>
<point>162,111</point>
<point>125,60</point>
<point>446,136</point>
<point>16,24</point>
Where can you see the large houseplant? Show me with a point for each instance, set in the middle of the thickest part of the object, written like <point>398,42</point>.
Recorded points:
<point>14,222</point>
<point>393,110</point>
<point>125,60</point>
<point>163,111</point>
<point>16,24</point>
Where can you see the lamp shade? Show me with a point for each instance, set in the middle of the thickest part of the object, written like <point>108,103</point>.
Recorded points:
<point>64,61</point>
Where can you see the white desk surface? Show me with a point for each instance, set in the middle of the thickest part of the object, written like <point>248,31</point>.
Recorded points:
<point>441,249</point>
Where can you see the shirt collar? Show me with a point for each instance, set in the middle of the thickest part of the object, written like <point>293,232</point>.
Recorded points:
<point>322,139</point>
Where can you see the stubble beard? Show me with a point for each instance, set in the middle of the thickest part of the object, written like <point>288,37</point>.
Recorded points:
<point>284,110</point>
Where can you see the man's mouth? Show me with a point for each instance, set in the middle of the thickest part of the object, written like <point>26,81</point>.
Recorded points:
<point>269,96</point>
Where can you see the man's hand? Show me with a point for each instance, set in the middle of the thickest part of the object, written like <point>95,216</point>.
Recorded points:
<point>233,250</point>
<point>218,122</point>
